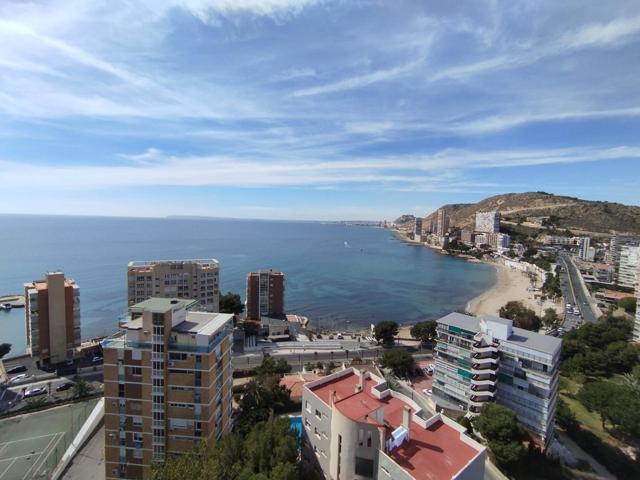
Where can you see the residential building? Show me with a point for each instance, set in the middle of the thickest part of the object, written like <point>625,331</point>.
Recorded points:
<point>558,240</point>
<point>584,244</point>
<point>603,272</point>
<point>467,237</point>
<point>167,384</point>
<point>481,239</point>
<point>488,359</point>
<point>442,222</point>
<point>417,228</point>
<point>617,241</point>
<point>627,271</point>
<point>52,318</point>
<point>636,325</point>
<point>356,428</point>
<point>265,294</point>
<point>193,279</point>
<point>488,222</point>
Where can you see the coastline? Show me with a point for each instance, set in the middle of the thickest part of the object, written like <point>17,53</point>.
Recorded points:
<point>510,285</point>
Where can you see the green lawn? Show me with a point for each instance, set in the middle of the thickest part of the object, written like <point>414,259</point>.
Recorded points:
<point>591,420</point>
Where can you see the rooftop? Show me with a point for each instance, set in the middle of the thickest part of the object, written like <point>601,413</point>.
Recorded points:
<point>520,336</point>
<point>150,263</point>
<point>203,323</point>
<point>432,453</point>
<point>162,305</point>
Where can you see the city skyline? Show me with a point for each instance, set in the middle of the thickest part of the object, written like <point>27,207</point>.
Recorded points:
<point>313,110</point>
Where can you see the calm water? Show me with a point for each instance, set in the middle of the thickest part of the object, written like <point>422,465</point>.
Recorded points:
<point>339,276</point>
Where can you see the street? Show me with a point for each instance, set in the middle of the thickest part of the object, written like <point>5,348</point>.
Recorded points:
<point>573,293</point>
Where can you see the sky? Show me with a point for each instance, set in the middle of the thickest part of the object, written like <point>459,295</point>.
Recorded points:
<point>314,109</point>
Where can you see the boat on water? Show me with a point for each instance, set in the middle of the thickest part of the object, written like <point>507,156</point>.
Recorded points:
<point>5,306</point>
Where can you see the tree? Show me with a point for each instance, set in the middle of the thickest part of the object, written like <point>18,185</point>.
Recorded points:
<point>231,303</point>
<point>398,360</point>
<point>614,403</point>
<point>550,317</point>
<point>522,316</point>
<point>81,388</point>
<point>268,452</point>
<point>503,432</point>
<point>385,331</point>
<point>270,367</point>
<point>551,286</point>
<point>629,304</point>
<point>5,348</point>
<point>424,331</point>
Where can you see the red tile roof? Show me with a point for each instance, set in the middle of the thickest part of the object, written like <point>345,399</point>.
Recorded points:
<point>434,453</point>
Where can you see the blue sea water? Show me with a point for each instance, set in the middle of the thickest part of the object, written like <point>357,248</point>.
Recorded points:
<point>340,276</point>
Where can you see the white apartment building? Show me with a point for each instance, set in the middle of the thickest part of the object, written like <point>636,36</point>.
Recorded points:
<point>628,260</point>
<point>488,222</point>
<point>194,279</point>
<point>356,428</point>
<point>488,359</point>
<point>584,244</point>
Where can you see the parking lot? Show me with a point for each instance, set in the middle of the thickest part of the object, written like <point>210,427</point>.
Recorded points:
<point>32,444</point>
<point>422,382</point>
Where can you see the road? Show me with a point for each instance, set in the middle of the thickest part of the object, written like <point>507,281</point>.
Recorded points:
<point>573,292</point>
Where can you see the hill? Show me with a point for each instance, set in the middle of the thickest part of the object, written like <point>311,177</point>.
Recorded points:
<point>566,212</point>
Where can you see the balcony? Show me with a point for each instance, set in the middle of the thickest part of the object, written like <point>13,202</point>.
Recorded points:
<point>492,354</point>
<point>480,368</point>
<point>483,387</point>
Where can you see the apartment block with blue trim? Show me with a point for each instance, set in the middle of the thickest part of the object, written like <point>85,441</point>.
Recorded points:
<point>167,384</point>
<point>487,359</point>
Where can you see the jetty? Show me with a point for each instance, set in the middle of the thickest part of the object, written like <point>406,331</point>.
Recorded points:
<point>16,301</point>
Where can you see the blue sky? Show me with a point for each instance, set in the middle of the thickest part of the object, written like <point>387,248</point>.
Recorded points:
<point>313,109</point>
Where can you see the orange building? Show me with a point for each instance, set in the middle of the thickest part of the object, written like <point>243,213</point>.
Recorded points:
<point>265,294</point>
<point>167,384</point>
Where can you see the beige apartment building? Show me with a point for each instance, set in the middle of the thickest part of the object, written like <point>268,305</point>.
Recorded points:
<point>194,279</point>
<point>167,384</point>
<point>52,317</point>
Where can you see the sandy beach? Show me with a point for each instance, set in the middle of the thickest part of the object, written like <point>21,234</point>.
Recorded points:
<point>510,285</point>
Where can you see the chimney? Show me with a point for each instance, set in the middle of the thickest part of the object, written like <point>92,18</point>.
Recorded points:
<point>361,381</point>
<point>406,419</point>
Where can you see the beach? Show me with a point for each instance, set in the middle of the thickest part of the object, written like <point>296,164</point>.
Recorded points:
<point>511,284</point>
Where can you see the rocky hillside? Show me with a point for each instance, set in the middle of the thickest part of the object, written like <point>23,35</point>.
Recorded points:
<point>565,212</point>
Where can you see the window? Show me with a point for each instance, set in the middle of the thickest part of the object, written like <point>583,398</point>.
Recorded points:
<point>137,421</point>
<point>307,406</point>
<point>136,355</point>
<point>319,414</point>
<point>306,423</point>
<point>364,467</point>
<point>369,439</point>
<point>317,433</point>
<point>137,371</point>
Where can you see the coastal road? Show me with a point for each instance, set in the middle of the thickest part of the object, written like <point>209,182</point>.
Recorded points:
<point>575,293</point>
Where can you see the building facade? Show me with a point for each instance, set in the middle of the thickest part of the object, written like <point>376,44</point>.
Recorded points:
<point>52,317</point>
<point>167,384</point>
<point>417,228</point>
<point>584,244</point>
<point>265,294</point>
<point>442,222</point>
<point>636,325</point>
<point>487,359</point>
<point>356,428</point>
<point>193,279</point>
<point>488,222</point>
<point>627,267</point>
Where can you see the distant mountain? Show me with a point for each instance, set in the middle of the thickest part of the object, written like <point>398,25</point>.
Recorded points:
<point>565,212</point>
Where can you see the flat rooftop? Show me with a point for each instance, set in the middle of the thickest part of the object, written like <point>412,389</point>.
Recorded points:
<point>203,323</point>
<point>162,305</point>
<point>434,453</point>
<point>520,336</point>
<point>150,263</point>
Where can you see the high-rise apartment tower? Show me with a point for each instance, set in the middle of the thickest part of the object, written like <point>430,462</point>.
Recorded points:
<point>167,384</point>
<point>52,317</point>
<point>193,279</point>
<point>265,294</point>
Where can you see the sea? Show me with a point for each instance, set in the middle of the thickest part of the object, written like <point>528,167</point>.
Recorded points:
<point>342,277</point>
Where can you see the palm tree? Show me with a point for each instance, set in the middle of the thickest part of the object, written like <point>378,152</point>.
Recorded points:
<point>81,388</point>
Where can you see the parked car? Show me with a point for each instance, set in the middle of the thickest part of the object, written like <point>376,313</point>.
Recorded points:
<point>97,359</point>
<point>64,386</point>
<point>16,369</point>
<point>18,378</point>
<point>35,392</point>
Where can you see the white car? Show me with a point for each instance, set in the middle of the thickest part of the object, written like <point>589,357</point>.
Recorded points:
<point>18,378</point>
<point>34,392</point>
<point>427,392</point>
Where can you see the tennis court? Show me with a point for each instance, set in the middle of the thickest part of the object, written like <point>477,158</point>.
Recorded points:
<point>32,444</point>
